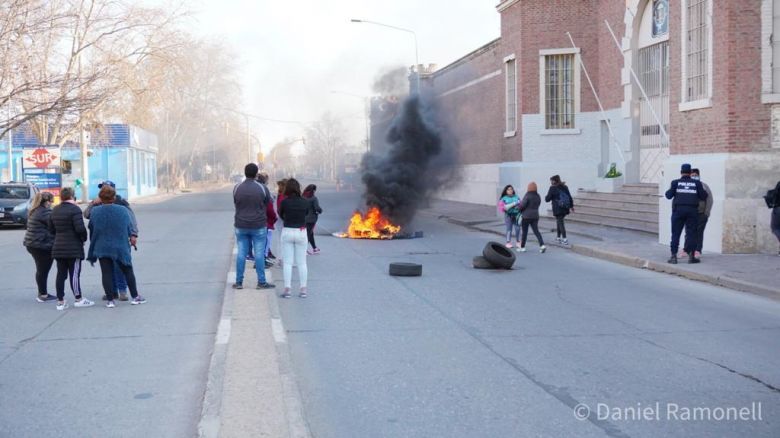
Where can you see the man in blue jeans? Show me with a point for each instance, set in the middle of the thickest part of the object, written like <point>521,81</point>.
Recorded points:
<point>250,199</point>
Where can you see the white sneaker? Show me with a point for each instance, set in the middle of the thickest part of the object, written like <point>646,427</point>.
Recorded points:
<point>542,248</point>
<point>83,303</point>
<point>508,244</point>
<point>110,304</point>
<point>521,249</point>
<point>62,306</point>
<point>565,241</point>
<point>558,239</point>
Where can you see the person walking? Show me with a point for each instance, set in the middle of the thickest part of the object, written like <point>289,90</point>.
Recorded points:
<point>509,204</point>
<point>311,216</point>
<point>704,210</point>
<point>120,282</point>
<point>293,211</point>
<point>39,241</point>
<point>562,205</point>
<point>775,218</point>
<point>529,212</point>
<point>685,194</point>
<point>250,222</point>
<point>110,238</point>
<point>67,225</point>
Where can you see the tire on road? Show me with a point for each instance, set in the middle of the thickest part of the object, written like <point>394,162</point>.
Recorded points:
<point>498,255</point>
<point>402,269</point>
<point>480,262</point>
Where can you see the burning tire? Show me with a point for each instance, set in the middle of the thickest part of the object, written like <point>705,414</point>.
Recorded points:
<point>400,269</point>
<point>498,255</point>
<point>480,262</point>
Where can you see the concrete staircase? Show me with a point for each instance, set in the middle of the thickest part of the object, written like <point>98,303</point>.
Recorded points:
<point>633,207</point>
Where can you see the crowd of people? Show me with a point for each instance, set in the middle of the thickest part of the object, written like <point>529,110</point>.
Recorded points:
<point>256,215</point>
<point>58,235</point>
<point>522,214</point>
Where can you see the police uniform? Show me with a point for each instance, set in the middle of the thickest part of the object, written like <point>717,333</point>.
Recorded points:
<point>685,194</point>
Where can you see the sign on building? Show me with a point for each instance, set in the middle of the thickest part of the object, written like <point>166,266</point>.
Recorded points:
<point>41,157</point>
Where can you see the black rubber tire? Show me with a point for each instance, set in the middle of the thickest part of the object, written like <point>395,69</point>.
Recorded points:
<point>401,269</point>
<point>480,262</point>
<point>498,255</point>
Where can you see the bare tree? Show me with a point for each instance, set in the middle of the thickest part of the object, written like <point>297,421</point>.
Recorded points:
<point>324,144</point>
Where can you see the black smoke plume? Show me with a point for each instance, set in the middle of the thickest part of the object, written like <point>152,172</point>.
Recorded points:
<point>420,161</point>
<point>392,82</point>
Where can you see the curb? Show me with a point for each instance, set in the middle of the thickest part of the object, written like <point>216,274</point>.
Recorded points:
<point>642,263</point>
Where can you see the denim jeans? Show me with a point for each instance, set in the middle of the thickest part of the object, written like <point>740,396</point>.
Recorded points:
<point>244,236</point>
<point>120,282</point>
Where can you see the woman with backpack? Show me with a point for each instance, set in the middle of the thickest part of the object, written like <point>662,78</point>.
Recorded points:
<point>529,211</point>
<point>562,205</point>
<point>311,217</point>
<point>38,241</point>
<point>509,204</point>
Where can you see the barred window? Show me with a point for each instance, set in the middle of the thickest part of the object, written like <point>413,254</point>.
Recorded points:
<point>511,96</point>
<point>697,50</point>
<point>559,91</point>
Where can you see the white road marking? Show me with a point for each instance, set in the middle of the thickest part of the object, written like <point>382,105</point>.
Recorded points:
<point>278,330</point>
<point>223,331</point>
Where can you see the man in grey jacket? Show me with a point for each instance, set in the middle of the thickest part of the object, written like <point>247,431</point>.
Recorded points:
<point>705,208</point>
<point>250,199</point>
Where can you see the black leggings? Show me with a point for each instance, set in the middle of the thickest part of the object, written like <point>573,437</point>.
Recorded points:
<point>68,268</point>
<point>560,226</point>
<point>534,223</point>
<point>310,235</point>
<point>107,274</point>
<point>43,262</point>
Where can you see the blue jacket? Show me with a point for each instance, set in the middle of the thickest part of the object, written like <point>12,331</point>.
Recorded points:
<point>110,228</point>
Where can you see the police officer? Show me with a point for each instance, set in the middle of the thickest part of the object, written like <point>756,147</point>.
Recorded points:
<point>685,194</point>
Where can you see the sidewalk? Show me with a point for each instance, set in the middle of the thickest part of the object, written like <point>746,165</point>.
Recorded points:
<point>755,273</point>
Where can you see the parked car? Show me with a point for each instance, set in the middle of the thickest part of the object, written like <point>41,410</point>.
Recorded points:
<point>15,200</point>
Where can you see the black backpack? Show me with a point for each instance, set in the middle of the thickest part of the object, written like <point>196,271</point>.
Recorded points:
<point>564,200</point>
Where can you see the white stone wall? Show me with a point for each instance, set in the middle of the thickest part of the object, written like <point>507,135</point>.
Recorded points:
<point>739,222</point>
<point>576,157</point>
<point>478,185</point>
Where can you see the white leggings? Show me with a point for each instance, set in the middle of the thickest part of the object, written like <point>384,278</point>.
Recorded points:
<point>294,245</point>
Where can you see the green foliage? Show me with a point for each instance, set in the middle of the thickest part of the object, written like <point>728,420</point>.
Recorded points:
<point>613,172</point>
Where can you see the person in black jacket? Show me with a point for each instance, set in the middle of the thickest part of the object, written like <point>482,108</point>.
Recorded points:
<point>293,211</point>
<point>775,224</point>
<point>311,217</point>
<point>529,212</point>
<point>38,241</point>
<point>685,193</point>
<point>67,225</point>
<point>562,205</point>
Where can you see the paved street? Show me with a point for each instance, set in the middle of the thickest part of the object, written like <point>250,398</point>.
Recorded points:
<point>462,352</point>
<point>457,352</point>
<point>132,371</point>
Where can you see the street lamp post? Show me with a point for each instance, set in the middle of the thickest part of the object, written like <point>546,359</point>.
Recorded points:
<point>416,51</point>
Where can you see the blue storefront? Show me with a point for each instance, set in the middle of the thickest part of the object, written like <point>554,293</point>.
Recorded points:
<point>124,154</point>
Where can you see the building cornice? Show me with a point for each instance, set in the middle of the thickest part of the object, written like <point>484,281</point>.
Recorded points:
<point>505,4</point>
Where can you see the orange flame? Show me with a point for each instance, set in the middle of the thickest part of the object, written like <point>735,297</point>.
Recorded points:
<point>372,226</point>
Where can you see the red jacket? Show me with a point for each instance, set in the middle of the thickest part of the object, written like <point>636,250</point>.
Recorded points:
<point>270,215</point>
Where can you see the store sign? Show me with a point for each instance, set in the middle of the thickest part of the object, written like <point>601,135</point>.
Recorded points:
<point>660,18</point>
<point>44,181</point>
<point>41,157</point>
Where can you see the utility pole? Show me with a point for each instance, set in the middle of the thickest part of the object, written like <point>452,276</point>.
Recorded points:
<point>10,144</point>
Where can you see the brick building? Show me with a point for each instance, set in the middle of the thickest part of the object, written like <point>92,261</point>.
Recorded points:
<point>523,108</point>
